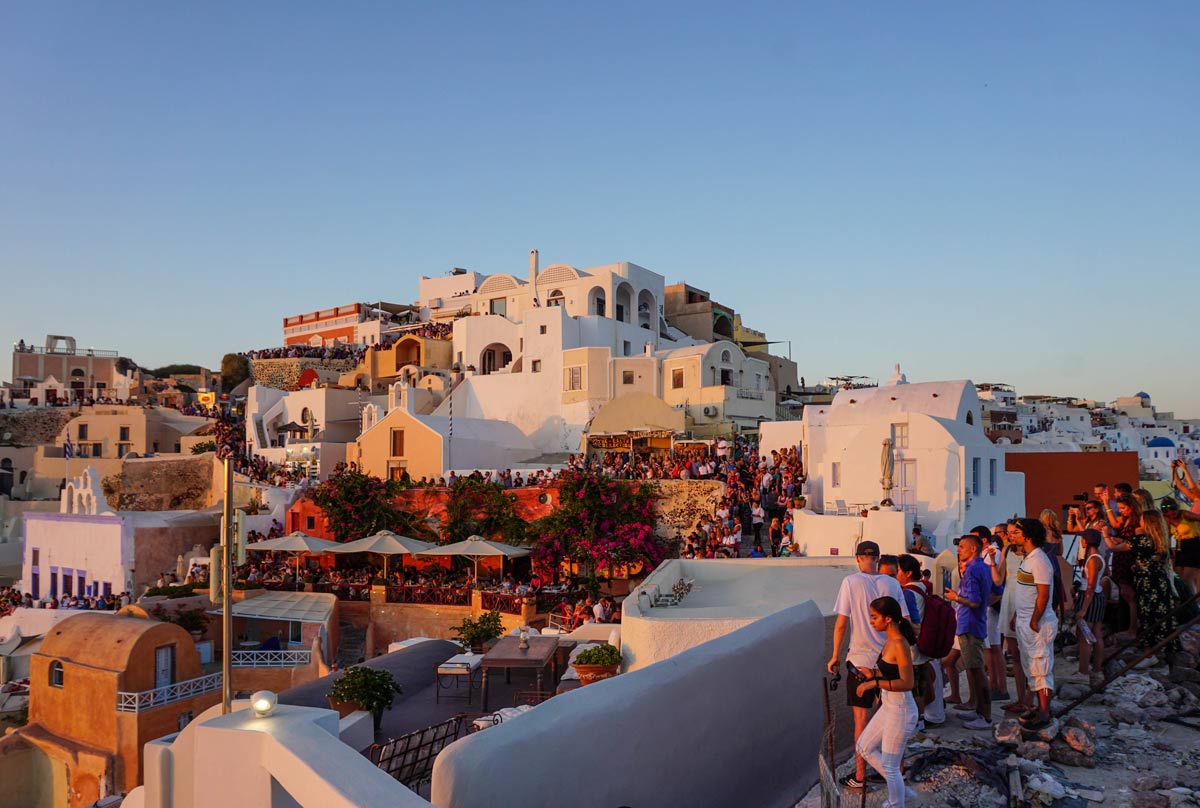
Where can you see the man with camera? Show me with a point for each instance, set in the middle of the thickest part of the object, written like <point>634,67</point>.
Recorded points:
<point>1089,516</point>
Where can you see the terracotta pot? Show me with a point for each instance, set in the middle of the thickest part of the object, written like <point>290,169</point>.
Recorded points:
<point>594,673</point>
<point>344,708</point>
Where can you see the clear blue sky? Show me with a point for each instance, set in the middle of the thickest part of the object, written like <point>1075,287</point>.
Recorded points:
<point>1005,192</point>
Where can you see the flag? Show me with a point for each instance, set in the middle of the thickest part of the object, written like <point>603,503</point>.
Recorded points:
<point>68,449</point>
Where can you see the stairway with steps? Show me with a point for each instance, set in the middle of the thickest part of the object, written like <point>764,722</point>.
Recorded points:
<point>352,649</point>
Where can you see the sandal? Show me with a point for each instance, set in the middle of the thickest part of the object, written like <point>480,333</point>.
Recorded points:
<point>852,782</point>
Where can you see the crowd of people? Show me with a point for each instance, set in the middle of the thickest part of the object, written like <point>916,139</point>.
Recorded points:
<point>350,351</point>
<point>12,598</point>
<point>1008,594</point>
<point>229,435</point>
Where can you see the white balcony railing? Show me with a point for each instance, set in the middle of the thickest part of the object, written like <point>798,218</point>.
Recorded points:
<point>742,392</point>
<point>271,659</point>
<point>149,699</point>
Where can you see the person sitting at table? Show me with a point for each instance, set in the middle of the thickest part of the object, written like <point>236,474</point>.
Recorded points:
<point>578,616</point>
<point>535,582</point>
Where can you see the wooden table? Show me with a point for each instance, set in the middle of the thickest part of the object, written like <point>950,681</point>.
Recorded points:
<point>507,655</point>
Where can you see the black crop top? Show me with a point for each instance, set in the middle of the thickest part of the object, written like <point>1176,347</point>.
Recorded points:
<point>887,670</point>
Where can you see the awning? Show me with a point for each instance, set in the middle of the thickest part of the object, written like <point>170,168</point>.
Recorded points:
<point>295,607</point>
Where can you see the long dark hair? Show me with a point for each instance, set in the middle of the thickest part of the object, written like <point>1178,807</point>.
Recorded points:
<point>888,607</point>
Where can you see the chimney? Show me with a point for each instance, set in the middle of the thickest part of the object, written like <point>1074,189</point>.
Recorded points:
<point>533,273</point>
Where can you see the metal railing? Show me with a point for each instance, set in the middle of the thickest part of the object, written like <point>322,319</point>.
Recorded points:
<point>502,602</point>
<point>345,591</point>
<point>149,699</point>
<point>37,349</point>
<point>742,392</point>
<point>441,595</point>
<point>271,659</point>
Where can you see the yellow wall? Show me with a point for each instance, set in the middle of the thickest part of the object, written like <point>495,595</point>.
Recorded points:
<point>594,362</point>
<point>422,447</point>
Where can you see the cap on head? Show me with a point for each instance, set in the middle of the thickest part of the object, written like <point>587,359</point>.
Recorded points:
<point>866,548</point>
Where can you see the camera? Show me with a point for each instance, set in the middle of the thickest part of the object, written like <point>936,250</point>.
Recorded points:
<point>1081,497</point>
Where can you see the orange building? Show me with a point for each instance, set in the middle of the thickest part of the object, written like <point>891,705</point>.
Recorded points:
<point>101,686</point>
<point>325,327</point>
<point>1054,479</point>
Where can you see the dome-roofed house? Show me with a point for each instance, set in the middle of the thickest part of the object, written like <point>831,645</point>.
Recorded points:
<point>101,686</point>
<point>1161,443</point>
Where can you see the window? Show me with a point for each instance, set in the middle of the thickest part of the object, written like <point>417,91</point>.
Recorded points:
<point>900,436</point>
<point>627,377</point>
<point>499,306</point>
<point>677,379</point>
<point>56,674</point>
<point>976,473</point>
<point>621,312</point>
<point>726,376</point>
<point>574,380</point>
<point>626,348</point>
<point>993,473</point>
<point>397,443</point>
<point>757,381</point>
<point>123,449</point>
<point>541,329</point>
<point>83,431</point>
<point>294,635</point>
<point>310,523</point>
<point>970,417</point>
<point>556,298</point>
<point>37,557</point>
<point>124,434</point>
<point>725,356</point>
<point>835,475</point>
<point>396,473</point>
<point>536,366</point>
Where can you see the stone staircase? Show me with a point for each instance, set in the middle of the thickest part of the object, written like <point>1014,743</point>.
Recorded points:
<point>353,645</point>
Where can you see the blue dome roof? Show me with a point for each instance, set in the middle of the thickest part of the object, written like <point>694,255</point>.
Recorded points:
<point>1158,443</point>
<point>1142,395</point>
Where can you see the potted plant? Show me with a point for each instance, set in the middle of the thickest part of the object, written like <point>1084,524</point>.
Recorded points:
<point>361,688</point>
<point>594,664</point>
<point>472,634</point>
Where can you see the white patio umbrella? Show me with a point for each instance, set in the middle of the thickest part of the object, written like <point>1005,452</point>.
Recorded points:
<point>297,544</point>
<point>475,548</point>
<point>384,543</point>
<point>888,463</point>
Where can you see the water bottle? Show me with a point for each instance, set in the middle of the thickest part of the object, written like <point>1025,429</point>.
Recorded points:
<point>1086,631</point>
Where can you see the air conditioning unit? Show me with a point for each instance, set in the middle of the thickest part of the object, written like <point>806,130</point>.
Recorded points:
<point>710,411</point>
<point>434,303</point>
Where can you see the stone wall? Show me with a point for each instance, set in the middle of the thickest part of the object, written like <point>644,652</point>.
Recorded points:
<point>164,484</point>
<point>35,425</point>
<point>284,374</point>
<point>680,504</point>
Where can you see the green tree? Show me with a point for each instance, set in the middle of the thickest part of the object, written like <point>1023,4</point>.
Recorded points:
<point>204,446</point>
<point>358,504</point>
<point>476,508</point>
<point>235,369</point>
<point>174,370</point>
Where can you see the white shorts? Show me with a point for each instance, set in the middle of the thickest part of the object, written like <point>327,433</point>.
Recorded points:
<point>1037,651</point>
<point>993,637</point>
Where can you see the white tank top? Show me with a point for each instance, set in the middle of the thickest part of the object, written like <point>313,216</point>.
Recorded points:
<point>1100,574</point>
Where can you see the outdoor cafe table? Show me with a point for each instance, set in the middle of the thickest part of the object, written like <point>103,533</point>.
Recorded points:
<point>507,655</point>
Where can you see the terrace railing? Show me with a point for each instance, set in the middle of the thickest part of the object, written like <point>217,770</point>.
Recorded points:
<point>284,586</point>
<point>440,595</point>
<point>128,702</point>
<point>271,659</point>
<point>503,602</point>
<point>345,591</point>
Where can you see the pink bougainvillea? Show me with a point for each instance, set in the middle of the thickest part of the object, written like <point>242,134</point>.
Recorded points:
<point>601,524</point>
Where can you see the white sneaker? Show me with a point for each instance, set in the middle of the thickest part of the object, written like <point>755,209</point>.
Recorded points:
<point>978,723</point>
<point>968,717</point>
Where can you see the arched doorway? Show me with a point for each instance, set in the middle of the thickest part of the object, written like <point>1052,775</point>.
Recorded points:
<point>623,300</point>
<point>722,325</point>
<point>647,310</point>
<point>596,302</point>
<point>495,356</point>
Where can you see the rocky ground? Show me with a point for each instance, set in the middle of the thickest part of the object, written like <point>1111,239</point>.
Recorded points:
<point>1124,747</point>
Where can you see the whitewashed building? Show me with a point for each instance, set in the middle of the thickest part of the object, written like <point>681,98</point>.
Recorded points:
<point>947,475</point>
<point>89,549</point>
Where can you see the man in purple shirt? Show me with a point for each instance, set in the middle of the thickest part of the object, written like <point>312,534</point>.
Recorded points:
<point>971,604</point>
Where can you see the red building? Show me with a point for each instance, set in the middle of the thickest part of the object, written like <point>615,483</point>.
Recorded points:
<point>1054,479</point>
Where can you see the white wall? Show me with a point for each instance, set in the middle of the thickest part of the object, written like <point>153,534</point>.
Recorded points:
<point>821,536</point>
<point>651,736</point>
<point>101,546</point>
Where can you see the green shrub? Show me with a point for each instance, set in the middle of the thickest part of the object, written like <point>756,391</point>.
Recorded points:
<point>371,689</point>
<point>476,632</point>
<point>600,655</point>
